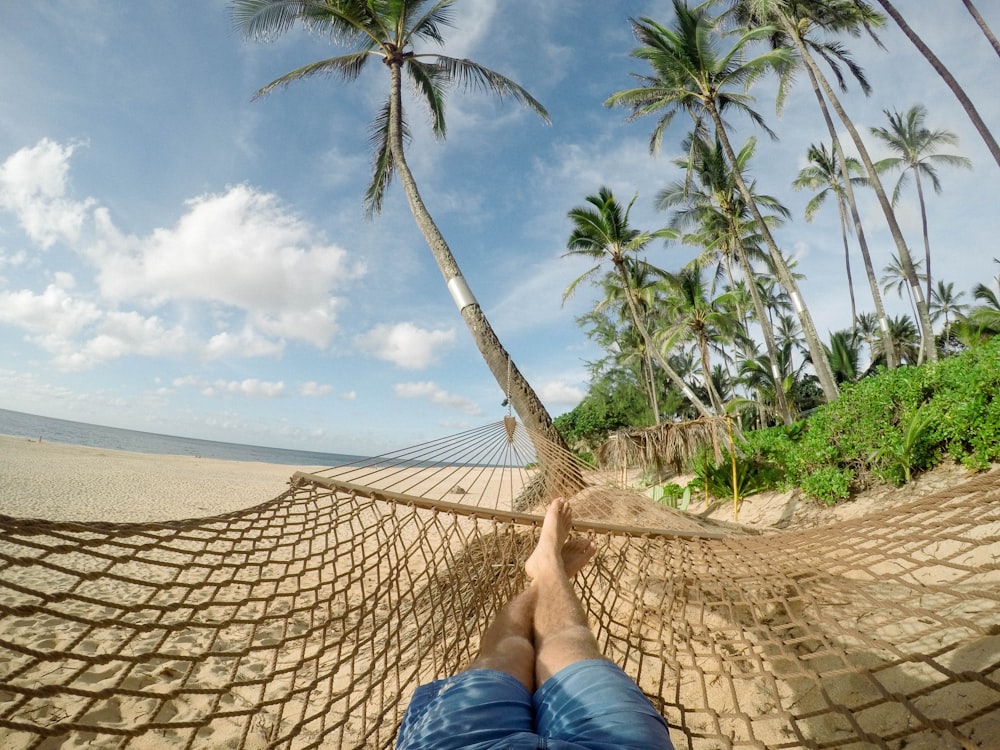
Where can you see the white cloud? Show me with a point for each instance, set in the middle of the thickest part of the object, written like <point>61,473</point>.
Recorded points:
<point>437,395</point>
<point>250,387</point>
<point>12,260</point>
<point>120,334</point>
<point>33,187</point>
<point>312,388</point>
<point>561,392</point>
<point>241,259</point>
<point>53,318</point>
<point>241,248</point>
<point>405,345</point>
<point>246,342</point>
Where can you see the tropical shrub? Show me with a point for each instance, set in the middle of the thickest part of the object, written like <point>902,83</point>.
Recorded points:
<point>752,475</point>
<point>671,494</point>
<point>828,484</point>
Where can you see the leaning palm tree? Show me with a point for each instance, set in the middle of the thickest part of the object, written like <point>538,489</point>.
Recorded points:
<point>794,22</point>
<point>987,31</point>
<point>391,32</point>
<point>601,232</point>
<point>914,145</point>
<point>689,74</point>
<point>947,77</point>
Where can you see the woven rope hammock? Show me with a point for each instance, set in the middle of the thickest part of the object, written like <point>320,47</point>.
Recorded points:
<point>308,621</point>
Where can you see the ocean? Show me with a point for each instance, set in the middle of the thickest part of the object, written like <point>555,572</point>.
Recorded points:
<point>34,427</point>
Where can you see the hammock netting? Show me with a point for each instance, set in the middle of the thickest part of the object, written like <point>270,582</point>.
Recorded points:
<point>308,621</point>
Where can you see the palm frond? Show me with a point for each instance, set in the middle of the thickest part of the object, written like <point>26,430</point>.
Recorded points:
<point>384,167</point>
<point>429,26</point>
<point>432,83</point>
<point>263,20</point>
<point>348,67</point>
<point>469,74</point>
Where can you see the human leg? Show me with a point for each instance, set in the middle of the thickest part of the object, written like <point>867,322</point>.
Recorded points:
<point>562,635</point>
<point>491,700</point>
<point>581,696</point>
<point>508,643</point>
<point>596,705</point>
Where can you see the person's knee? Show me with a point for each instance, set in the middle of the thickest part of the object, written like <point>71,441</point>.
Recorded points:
<point>514,655</point>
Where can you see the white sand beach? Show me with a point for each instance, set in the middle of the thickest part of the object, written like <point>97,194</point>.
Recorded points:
<point>61,482</point>
<point>72,483</point>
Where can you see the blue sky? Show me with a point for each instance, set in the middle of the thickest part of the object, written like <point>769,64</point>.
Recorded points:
<point>178,258</point>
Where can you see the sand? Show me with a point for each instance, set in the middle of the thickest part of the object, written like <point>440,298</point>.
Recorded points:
<point>72,483</point>
<point>60,482</point>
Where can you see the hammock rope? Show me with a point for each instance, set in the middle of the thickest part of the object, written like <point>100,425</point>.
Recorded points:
<point>308,621</point>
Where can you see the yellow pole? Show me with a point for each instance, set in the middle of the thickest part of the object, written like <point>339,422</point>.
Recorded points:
<point>732,456</point>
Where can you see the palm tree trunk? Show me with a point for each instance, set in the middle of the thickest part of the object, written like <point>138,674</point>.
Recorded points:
<point>706,373</point>
<point>522,397</point>
<point>927,349</point>
<point>883,319</point>
<point>820,361</point>
<point>654,350</point>
<point>859,230</point>
<point>948,78</point>
<point>982,25</point>
<point>923,225</point>
<point>847,258</point>
<point>654,401</point>
<point>767,330</point>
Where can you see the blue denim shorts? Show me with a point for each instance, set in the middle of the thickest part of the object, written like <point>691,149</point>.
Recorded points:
<point>589,705</point>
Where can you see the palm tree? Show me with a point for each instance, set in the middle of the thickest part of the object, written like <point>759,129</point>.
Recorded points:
<point>693,314</point>
<point>390,32</point>
<point>844,356</point>
<point>601,232</point>
<point>625,338</point>
<point>894,276</point>
<point>689,75</point>
<point>824,174</point>
<point>915,143</point>
<point>945,303</point>
<point>709,201</point>
<point>866,330</point>
<point>794,20</point>
<point>987,32</point>
<point>947,77</point>
<point>903,337</point>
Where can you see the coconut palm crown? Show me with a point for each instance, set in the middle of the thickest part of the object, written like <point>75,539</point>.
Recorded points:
<point>386,30</point>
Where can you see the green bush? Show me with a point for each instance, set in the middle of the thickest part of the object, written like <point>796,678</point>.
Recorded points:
<point>752,475</point>
<point>966,405</point>
<point>829,484</point>
<point>890,426</point>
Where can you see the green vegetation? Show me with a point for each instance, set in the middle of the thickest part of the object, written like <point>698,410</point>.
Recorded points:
<point>888,426</point>
<point>882,430</point>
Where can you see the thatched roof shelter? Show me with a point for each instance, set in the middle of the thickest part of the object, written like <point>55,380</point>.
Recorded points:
<point>671,444</point>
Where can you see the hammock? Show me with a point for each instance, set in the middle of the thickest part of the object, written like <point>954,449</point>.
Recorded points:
<point>309,620</point>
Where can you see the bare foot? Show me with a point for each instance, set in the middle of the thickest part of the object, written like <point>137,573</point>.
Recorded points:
<point>576,553</point>
<point>547,555</point>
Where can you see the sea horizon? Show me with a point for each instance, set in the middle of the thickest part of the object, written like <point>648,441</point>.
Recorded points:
<point>69,432</point>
